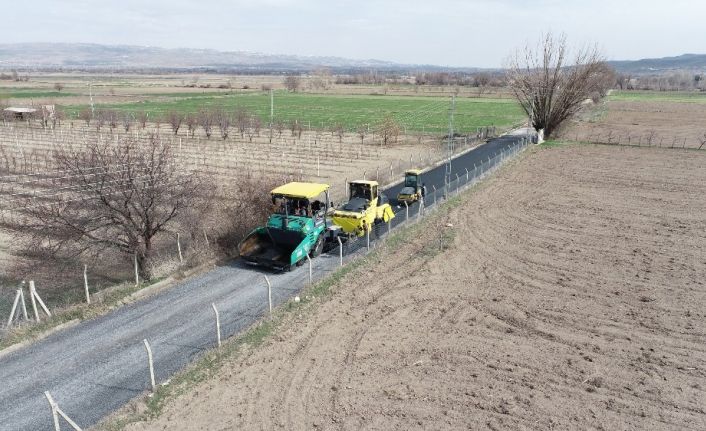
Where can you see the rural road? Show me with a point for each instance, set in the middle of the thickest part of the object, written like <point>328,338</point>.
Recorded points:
<point>97,366</point>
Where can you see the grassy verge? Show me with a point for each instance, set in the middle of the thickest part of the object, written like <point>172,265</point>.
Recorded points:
<point>658,96</point>
<point>213,361</point>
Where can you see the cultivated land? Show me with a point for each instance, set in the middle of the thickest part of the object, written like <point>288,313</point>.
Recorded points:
<point>26,168</point>
<point>570,295</point>
<point>417,108</point>
<point>643,118</point>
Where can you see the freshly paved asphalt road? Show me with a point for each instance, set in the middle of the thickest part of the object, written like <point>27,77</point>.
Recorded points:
<point>97,366</point>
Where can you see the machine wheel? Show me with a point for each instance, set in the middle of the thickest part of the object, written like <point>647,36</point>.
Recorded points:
<point>318,247</point>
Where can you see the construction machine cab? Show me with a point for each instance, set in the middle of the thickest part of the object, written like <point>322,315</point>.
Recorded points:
<point>296,228</point>
<point>412,178</point>
<point>365,207</point>
<point>413,189</point>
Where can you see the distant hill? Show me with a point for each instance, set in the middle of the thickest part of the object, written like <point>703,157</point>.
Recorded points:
<point>689,62</point>
<point>84,56</point>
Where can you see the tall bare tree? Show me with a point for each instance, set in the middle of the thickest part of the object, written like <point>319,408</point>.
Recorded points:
<point>114,197</point>
<point>142,118</point>
<point>175,118</point>
<point>242,120</point>
<point>292,83</point>
<point>191,121</point>
<point>86,115</point>
<point>206,122</point>
<point>223,120</point>
<point>389,130</point>
<point>549,88</point>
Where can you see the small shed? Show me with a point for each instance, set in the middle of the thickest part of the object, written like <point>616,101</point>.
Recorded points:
<point>19,113</point>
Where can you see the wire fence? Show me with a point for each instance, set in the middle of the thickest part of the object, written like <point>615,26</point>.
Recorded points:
<point>465,176</point>
<point>347,249</point>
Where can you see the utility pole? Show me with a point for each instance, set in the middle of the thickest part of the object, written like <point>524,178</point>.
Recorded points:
<point>90,95</point>
<point>449,146</point>
<point>272,106</point>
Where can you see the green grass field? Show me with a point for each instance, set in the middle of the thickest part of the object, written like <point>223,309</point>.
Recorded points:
<point>658,96</point>
<point>29,93</point>
<point>317,111</point>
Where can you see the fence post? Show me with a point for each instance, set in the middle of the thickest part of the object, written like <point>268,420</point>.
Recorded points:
<point>137,274</point>
<point>56,411</point>
<point>14,307</point>
<point>340,249</point>
<point>421,207</point>
<point>467,178</point>
<point>181,258</point>
<point>33,301</point>
<point>33,293</point>
<point>311,270</point>
<point>367,236</point>
<point>54,415</point>
<point>389,226</point>
<point>269,294</point>
<point>24,304</point>
<point>85,284</point>
<point>406,208</point>
<point>218,324</point>
<point>151,364</point>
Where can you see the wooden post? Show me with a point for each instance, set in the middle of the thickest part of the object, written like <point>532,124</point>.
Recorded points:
<point>24,304</point>
<point>389,226</point>
<point>150,363</point>
<point>367,237</point>
<point>85,284</point>
<point>218,324</point>
<point>406,207</point>
<point>14,307</point>
<point>311,270</point>
<point>33,293</point>
<point>54,415</point>
<point>206,238</point>
<point>340,249</point>
<point>269,294</point>
<point>56,412</point>
<point>137,274</point>
<point>181,258</point>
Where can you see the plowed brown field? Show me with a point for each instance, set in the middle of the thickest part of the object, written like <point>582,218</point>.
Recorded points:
<point>571,297</point>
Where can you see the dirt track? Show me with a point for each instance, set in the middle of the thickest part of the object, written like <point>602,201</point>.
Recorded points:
<point>571,297</point>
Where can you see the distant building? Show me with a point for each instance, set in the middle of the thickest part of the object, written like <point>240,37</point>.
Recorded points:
<point>19,113</point>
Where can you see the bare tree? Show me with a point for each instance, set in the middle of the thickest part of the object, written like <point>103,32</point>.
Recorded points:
<point>58,86</point>
<point>223,120</point>
<point>99,119</point>
<point>279,125</point>
<point>389,130</point>
<point>206,122</point>
<point>86,115</point>
<point>111,117</point>
<point>191,122</point>
<point>549,89</point>
<point>362,131</point>
<point>242,120</point>
<point>702,140</point>
<point>338,130</point>
<point>127,121</point>
<point>175,118</point>
<point>255,124</point>
<point>117,197</point>
<point>292,83</point>
<point>142,118</point>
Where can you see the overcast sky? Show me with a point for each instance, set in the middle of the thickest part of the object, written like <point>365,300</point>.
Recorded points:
<point>442,32</point>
